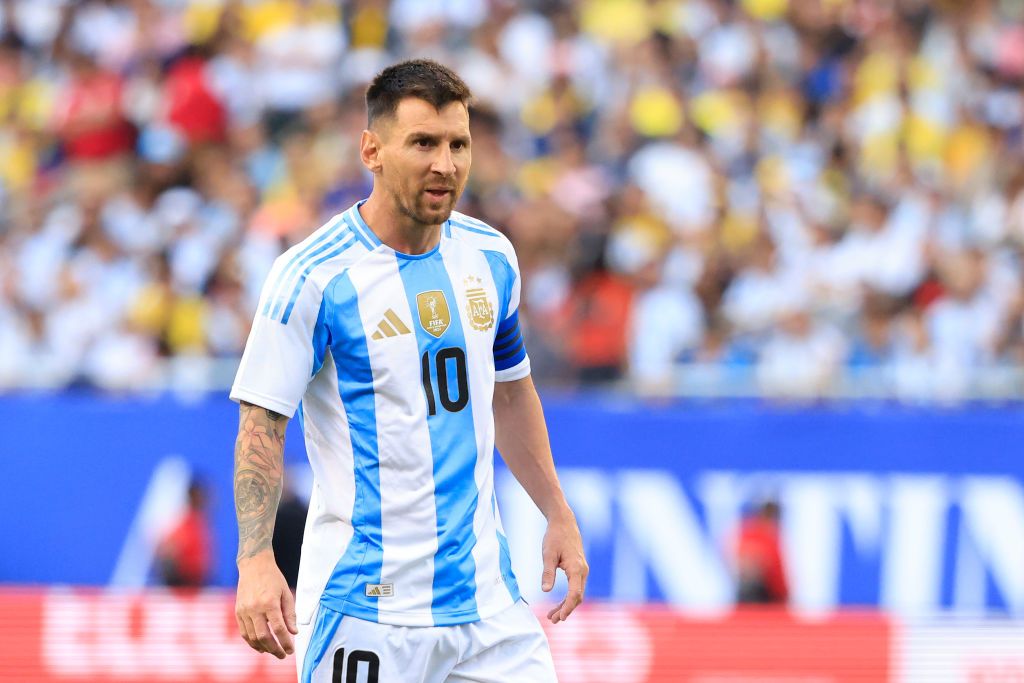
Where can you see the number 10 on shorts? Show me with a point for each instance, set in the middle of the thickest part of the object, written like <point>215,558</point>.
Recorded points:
<point>347,670</point>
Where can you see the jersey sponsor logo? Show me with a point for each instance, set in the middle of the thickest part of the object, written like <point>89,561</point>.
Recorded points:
<point>478,307</point>
<point>390,326</point>
<point>380,590</point>
<point>433,310</point>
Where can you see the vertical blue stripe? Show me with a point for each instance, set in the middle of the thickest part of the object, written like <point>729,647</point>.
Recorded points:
<point>327,623</point>
<point>321,338</point>
<point>334,230</point>
<point>504,278</point>
<point>361,563</point>
<point>505,557</point>
<point>453,445</point>
<point>336,250</point>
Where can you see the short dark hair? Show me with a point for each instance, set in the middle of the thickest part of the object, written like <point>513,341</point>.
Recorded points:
<point>422,78</point>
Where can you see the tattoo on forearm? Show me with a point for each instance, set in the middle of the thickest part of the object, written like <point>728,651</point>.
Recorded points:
<point>259,470</point>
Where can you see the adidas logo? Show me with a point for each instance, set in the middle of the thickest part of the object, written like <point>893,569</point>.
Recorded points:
<point>390,326</point>
<point>380,590</point>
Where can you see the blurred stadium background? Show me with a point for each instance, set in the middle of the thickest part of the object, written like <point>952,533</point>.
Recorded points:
<point>772,253</point>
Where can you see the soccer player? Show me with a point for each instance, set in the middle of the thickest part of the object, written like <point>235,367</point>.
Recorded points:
<point>393,330</point>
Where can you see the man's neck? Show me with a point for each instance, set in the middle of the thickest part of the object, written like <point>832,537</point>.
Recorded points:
<point>395,229</point>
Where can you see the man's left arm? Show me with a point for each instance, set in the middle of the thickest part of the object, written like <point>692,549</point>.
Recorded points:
<point>522,438</point>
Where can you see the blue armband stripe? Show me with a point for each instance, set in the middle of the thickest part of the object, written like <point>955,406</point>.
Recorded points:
<point>509,343</point>
<point>519,350</point>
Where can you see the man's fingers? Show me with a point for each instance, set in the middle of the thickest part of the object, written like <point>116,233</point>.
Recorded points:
<point>280,630</point>
<point>571,602</point>
<point>577,575</point>
<point>267,642</point>
<point>554,616</point>
<point>250,634</point>
<point>578,582</point>
<point>242,631</point>
<point>265,637</point>
<point>288,609</point>
<point>547,578</point>
<point>577,579</point>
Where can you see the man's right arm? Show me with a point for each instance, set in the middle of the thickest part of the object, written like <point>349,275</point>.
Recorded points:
<point>264,606</point>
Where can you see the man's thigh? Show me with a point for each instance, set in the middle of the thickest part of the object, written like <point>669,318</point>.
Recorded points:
<point>509,647</point>
<point>348,650</point>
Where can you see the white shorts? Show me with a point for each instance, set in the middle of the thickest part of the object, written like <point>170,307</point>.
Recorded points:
<point>509,647</point>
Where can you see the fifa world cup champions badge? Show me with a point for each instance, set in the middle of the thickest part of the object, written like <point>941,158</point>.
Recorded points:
<point>433,310</point>
<point>478,307</point>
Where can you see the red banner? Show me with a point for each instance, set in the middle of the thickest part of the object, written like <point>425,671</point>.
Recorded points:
<point>646,643</point>
<point>89,636</point>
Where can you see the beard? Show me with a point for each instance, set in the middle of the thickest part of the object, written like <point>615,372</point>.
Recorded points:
<point>418,208</point>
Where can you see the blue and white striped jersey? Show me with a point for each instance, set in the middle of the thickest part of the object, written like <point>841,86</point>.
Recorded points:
<point>391,361</point>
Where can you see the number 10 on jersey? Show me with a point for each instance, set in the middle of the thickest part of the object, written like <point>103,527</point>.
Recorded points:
<point>447,360</point>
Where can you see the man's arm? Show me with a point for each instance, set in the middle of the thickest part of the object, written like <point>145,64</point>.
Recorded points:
<point>522,437</point>
<point>264,606</point>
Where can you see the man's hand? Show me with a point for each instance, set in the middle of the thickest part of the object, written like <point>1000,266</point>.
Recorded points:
<point>563,548</point>
<point>264,606</point>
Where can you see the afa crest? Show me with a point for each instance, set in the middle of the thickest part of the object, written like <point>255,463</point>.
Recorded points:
<point>478,307</point>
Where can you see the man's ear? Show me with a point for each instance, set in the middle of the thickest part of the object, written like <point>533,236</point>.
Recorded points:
<point>369,151</point>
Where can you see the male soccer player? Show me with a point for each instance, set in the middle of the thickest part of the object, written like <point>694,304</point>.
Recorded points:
<point>394,331</point>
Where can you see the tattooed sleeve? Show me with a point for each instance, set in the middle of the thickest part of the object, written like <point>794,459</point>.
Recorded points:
<point>259,468</point>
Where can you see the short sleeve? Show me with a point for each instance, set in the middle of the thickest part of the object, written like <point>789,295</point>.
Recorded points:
<point>510,359</point>
<point>286,345</point>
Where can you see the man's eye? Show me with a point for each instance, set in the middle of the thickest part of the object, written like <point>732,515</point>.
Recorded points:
<point>458,145</point>
<point>423,143</point>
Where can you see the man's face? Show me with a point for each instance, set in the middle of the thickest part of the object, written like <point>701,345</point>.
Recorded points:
<point>424,158</point>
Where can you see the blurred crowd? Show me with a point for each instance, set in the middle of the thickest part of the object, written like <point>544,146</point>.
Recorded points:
<point>802,193</point>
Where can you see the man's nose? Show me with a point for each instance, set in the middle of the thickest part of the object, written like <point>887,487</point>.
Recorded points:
<point>443,164</point>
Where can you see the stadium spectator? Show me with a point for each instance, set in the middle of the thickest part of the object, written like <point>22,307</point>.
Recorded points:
<point>191,104</point>
<point>666,322</point>
<point>760,569</point>
<point>800,357</point>
<point>184,556</point>
<point>91,124</point>
<point>853,156</point>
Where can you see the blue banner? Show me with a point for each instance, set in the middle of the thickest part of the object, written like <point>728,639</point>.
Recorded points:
<point>907,508</point>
